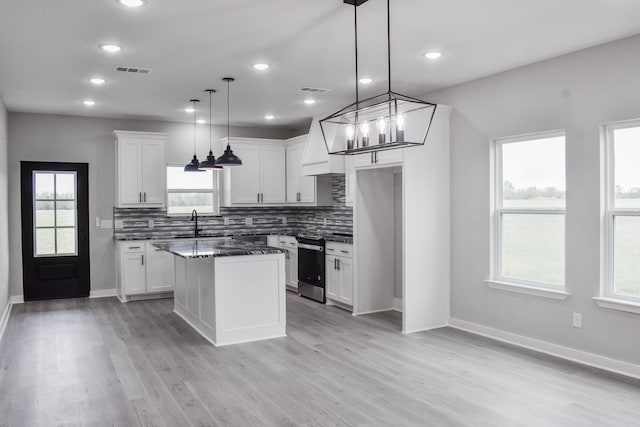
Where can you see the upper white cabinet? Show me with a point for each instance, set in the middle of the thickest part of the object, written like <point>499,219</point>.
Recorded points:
<point>379,158</point>
<point>261,180</point>
<point>140,169</point>
<point>301,189</point>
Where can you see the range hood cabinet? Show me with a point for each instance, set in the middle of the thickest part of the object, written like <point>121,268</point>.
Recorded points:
<point>316,159</point>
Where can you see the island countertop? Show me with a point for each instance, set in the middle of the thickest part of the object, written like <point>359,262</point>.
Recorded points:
<point>214,248</point>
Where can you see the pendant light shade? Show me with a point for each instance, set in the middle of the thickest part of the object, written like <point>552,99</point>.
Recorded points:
<point>210,162</point>
<point>228,158</point>
<point>194,165</point>
<point>398,120</point>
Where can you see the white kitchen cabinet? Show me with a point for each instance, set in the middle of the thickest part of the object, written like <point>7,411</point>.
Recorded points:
<point>349,181</point>
<point>289,244</point>
<point>142,270</point>
<point>301,189</point>
<point>339,273</point>
<point>379,158</point>
<point>160,270</point>
<point>140,169</point>
<point>261,180</point>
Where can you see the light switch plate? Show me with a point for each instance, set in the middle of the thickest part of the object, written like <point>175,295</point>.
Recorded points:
<point>97,222</point>
<point>577,320</point>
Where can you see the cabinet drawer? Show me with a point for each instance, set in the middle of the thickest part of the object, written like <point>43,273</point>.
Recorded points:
<point>137,246</point>
<point>287,242</point>
<point>339,249</point>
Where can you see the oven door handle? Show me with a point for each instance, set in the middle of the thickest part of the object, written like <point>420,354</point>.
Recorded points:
<point>310,247</point>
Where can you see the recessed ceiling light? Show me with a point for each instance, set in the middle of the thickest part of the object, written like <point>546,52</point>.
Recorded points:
<point>433,55</point>
<point>261,66</point>
<point>309,101</point>
<point>269,117</point>
<point>97,81</point>
<point>111,48</point>
<point>365,80</point>
<point>189,110</point>
<point>201,122</point>
<point>132,3</point>
<point>89,102</point>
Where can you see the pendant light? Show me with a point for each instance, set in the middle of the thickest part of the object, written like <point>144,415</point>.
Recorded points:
<point>194,165</point>
<point>210,162</point>
<point>228,158</point>
<point>399,120</point>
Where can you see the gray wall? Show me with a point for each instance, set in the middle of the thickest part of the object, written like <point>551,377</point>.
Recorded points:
<point>45,137</point>
<point>576,92</point>
<point>4,221</point>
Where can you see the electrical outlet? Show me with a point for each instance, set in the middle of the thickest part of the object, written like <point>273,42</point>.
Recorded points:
<point>106,223</point>
<point>151,224</point>
<point>284,219</point>
<point>226,220</point>
<point>248,221</point>
<point>118,224</point>
<point>577,320</point>
<point>325,221</point>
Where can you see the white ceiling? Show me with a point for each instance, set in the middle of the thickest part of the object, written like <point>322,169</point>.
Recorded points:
<point>48,49</point>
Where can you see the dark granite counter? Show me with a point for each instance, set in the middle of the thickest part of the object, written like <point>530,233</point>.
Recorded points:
<point>193,248</point>
<point>328,237</point>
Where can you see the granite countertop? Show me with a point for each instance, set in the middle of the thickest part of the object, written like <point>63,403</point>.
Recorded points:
<point>327,237</point>
<point>214,248</point>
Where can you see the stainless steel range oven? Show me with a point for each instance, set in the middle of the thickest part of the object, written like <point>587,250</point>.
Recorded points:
<point>311,257</point>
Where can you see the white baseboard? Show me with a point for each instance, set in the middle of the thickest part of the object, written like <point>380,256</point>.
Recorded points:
<point>103,293</point>
<point>589,359</point>
<point>430,328</point>
<point>373,311</point>
<point>17,299</point>
<point>5,318</point>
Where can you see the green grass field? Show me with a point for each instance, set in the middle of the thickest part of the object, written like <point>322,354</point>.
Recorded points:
<point>45,237</point>
<point>533,249</point>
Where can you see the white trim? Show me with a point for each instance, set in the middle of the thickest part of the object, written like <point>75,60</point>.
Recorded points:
<point>103,293</point>
<point>578,356</point>
<point>17,299</point>
<point>618,304</point>
<point>528,290</point>
<point>5,318</point>
<point>430,328</point>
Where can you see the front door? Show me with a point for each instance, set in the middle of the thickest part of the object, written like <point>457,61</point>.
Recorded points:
<point>55,230</point>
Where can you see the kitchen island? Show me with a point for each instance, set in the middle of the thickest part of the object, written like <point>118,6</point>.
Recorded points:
<point>229,291</point>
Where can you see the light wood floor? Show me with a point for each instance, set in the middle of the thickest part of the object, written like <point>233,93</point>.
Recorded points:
<point>100,362</point>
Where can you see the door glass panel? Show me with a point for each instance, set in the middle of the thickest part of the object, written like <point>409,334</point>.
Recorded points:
<point>45,241</point>
<point>66,240</point>
<point>66,186</point>
<point>44,185</point>
<point>65,214</point>
<point>55,213</point>
<point>45,215</point>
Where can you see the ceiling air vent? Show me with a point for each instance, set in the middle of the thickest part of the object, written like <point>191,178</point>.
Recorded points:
<point>314,90</point>
<point>134,70</point>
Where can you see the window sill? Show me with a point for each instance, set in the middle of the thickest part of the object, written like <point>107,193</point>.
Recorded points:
<point>528,290</point>
<point>618,304</point>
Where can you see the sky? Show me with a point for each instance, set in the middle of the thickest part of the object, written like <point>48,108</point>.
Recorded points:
<point>536,163</point>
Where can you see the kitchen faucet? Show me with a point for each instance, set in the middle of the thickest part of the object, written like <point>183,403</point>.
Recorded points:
<point>194,217</point>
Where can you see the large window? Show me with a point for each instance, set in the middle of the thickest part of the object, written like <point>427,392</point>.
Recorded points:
<point>187,191</point>
<point>623,211</point>
<point>529,240</point>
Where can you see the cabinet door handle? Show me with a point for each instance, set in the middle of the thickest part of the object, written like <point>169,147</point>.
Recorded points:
<point>262,197</point>
<point>337,264</point>
<point>258,197</point>
<point>145,196</point>
<point>142,259</point>
<point>140,197</point>
<point>343,251</point>
<point>134,247</point>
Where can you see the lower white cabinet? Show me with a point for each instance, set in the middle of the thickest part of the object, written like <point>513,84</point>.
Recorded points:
<point>142,269</point>
<point>290,245</point>
<point>339,272</point>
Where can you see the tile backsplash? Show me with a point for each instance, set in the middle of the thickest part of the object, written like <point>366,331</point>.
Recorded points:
<point>337,218</point>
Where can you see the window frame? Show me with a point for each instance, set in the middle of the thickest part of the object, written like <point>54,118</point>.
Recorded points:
<point>607,288</point>
<point>499,281</point>
<point>55,225</point>
<point>215,190</point>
